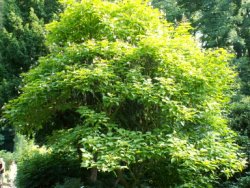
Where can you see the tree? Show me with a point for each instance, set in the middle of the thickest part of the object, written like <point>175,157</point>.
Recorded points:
<point>21,43</point>
<point>21,40</point>
<point>137,96</point>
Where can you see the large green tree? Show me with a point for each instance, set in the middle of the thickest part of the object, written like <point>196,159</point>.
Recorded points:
<point>129,93</point>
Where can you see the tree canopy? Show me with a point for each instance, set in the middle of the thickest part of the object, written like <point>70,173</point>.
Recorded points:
<point>131,89</point>
<point>222,23</point>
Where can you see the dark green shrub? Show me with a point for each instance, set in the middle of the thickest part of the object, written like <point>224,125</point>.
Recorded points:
<point>70,183</point>
<point>45,170</point>
<point>244,182</point>
<point>241,182</point>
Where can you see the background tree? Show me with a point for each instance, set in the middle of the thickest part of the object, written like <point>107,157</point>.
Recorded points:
<point>138,97</point>
<point>21,43</point>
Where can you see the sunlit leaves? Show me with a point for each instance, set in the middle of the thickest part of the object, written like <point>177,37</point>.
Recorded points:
<point>141,91</point>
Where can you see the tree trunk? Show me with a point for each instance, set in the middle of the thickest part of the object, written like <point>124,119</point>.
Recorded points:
<point>121,179</point>
<point>93,175</point>
<point>93,172</point>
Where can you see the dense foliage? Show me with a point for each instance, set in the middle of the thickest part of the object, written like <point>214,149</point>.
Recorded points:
<point>52,169</point>
<point>221,23</point>
<point>21,40</point>
<point>127,91</point>
<point>21,43</point>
